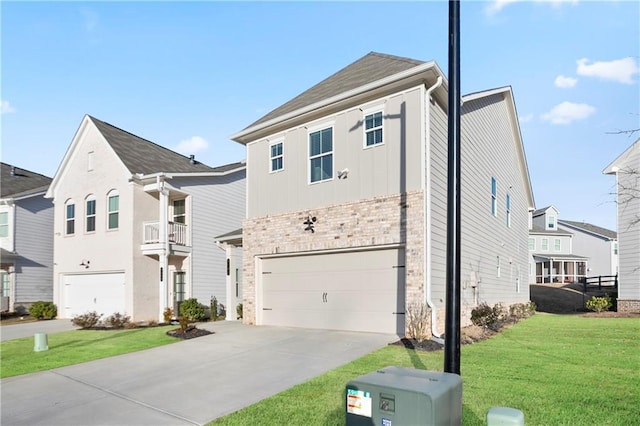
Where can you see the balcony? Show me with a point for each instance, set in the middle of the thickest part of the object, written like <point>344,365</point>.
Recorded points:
<point>176,235</point>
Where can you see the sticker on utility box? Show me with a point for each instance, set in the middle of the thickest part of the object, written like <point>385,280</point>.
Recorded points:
<point>359,402</point>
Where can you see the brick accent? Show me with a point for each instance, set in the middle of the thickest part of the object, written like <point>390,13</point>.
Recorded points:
<point>369,223</point>
<point>628,305</point>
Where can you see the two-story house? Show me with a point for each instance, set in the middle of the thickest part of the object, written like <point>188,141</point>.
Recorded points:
<point>135,225</point>
<point>346,201</point>
<point>26,238</point>
<point>552,250</point>
<point>599,244</point>
<point>626,169</point>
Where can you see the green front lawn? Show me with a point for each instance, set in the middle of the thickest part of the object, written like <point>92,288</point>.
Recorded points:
<point>74,347</point>
<point>559,370</point>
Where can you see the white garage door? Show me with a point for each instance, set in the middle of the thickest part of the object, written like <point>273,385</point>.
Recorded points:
<point>357,291</point>
<point>103,293</point>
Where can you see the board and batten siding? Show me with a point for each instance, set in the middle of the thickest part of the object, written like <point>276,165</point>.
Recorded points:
<point>489,149</point>
<point>34,246</point>
<point>629,229</point>
<point>217,207</point>
<point>380,170</point>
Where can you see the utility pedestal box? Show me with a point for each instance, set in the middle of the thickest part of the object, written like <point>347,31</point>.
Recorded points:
<point>395,396</point>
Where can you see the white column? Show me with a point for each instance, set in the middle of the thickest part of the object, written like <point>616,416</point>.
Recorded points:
<point>230,265</point>
<point>163,224</point>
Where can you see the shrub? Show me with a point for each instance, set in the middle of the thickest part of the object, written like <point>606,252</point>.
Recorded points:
<point>193,310</point>
<point>418,321</point>
<point>488,317</point>
<point>599,304</point>
<point>86,320</point>
<point>214,309</point>
<point>520,311</point>
<point>152,323</point>
<point>117,320</point>
<point>167,314</point>
<point>184,323</point>
<point>239,310</point>
<point>43,310</point>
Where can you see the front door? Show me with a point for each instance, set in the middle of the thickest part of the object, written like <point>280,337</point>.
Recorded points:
<point>179,286</point>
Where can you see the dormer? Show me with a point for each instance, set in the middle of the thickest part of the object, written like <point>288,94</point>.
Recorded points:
<point>546,218</point>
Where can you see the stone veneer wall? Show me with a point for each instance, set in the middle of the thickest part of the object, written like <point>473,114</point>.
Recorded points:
<point>369,223</point>
<point>628,305</point>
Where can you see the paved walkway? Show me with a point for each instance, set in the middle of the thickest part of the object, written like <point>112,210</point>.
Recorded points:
<point>29,329</point>
<point>187,383</point>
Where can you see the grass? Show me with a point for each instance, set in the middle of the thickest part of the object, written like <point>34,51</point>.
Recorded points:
<point>558,370</point>
<point>74,347</point>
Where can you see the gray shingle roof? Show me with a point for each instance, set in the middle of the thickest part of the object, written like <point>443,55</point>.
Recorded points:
<point>371,67</point>
<point>587,227</point>
<point>541,230</point>
<point>142,156</point>
<point>22,182</point>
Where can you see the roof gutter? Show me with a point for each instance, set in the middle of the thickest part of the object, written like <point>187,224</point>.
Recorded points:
<point>171,175</point>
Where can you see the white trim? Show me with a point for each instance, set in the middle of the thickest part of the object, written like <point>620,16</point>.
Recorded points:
<point>365,131</point>
<point>281,156</point>
<point>317,129</point>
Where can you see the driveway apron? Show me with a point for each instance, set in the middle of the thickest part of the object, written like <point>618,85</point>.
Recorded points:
<point>186,383</point>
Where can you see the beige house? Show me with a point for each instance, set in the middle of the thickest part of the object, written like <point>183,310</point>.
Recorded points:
<point>135,225</point>
<point>346,201</point>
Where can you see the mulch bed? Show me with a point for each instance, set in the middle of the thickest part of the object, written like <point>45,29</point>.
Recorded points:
<point>468,336</point>
<point>189,333</point>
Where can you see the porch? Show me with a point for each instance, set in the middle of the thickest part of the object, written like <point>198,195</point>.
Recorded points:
<point>560,269</point>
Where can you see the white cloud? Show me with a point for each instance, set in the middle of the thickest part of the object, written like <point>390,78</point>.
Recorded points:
<point>525,118</point>
<point>619,70</point>
<point>565,82</point>
<point>566,112</point>
<point>495,6</point>
<point>192,145</point>
<point>6,108</point>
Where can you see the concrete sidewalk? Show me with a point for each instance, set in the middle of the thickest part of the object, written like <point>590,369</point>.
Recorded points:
<point>187,383</point>
<point>29,329</point>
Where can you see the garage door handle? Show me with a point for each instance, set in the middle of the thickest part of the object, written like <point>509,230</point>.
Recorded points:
<point>267,309</point>
<point>398,313</point>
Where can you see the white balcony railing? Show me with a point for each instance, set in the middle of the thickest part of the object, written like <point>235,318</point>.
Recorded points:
<point>177,233</point>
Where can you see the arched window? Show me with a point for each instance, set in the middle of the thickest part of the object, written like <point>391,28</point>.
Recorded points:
<point>90,214</point>
<point>69,217</point>
<point>113,209</point>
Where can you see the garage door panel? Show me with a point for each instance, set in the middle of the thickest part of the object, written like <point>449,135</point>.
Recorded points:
<point>103,293</point>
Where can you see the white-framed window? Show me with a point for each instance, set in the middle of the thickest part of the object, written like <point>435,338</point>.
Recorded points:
<point>276,157</point>
<point>545,244</point>
<point>113,210</point>
<point>556,244</point>
<point>508,208</point>
<point>179,211</point>
<point>69,217</point>
<point>532,244</point>
<point>4,224</point>
<point>373,129</point>
<point>494,197</point>
<point>498,266</point>
<point>90,214</point>
<point>551,222</point>
<point>321,155</point>
<point>615,248</point>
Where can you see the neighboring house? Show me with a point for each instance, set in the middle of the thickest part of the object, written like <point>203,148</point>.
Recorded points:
<point>599,244</point>
<point>339,180</point>
<point>626,169</point>
<point>26,239</point>
<point>135,225</point>
<point>553,251</point>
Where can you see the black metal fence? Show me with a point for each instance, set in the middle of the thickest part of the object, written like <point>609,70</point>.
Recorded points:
<point>600,281</point>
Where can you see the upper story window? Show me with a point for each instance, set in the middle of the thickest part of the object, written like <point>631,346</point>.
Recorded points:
<point>373,129</point>
<point>179,211</point>
<point>508,206</point>
<point>90,219</point>
<point>545,244</point>
<point>113,210</point>
<point>494,197</point>
<point>321,155</point>
<point>615,248</point>
<point>556,244</point>
<point>4,225</point>
<point>276,157</point>
<point>551,222</point>
<point>70,218</point>
<point>532,244</point>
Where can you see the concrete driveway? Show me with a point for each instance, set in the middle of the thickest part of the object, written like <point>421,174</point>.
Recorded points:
<point>190,382</point>
<point>29,329</point>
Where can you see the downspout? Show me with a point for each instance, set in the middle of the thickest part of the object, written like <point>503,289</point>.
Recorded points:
<point>426,223</point>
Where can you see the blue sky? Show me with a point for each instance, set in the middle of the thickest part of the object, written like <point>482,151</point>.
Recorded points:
<point>189,75</point>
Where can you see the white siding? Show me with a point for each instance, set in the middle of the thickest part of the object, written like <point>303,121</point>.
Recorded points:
<point>629,228</point>
<point>599,250</point>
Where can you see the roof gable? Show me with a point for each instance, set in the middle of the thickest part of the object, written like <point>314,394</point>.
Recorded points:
<point>17,182</point>
<point>590,229</point>
<point>619,162</point>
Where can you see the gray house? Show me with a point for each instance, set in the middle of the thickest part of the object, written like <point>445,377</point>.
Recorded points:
<point>26,238</point>
<point>135,225</point>
<point>626,169</point>
<point>346,201</point>
<point>599,244</point>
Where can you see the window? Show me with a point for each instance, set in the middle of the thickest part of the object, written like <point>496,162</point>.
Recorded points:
<point>4,224</point>
<point>498,266</point>
<point>508,203</point>
<point>545,244</point>
<point>179,288</point>
<point>90,161</point>
<point>373,129</point>
<point>91,214</point>
<point>321,155</point>
<point>70,218</point>
<point>532,244</point>
<point>113,209</point>
<point>556,244</point>
<point>494,197</point>
<point>5,281</point>
<point>551,222</point>
<point>179,211</point>
<point>276,157</point>
<point>615,248</point>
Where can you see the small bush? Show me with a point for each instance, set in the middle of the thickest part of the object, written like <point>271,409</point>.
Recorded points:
<point>167,314</point>
<point>86,320</point>
<point>117,320</point>
<point>239,310</point>
<point>130,325</point>
<point>599,304</point>
<point>418,321</point>
<point>193,310</point>
<point>153,323</point>
<point>184,323</point>
<point>489,317</point>
<point>520,311</point>
<point>214,309</point>
<point>43,310</point>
